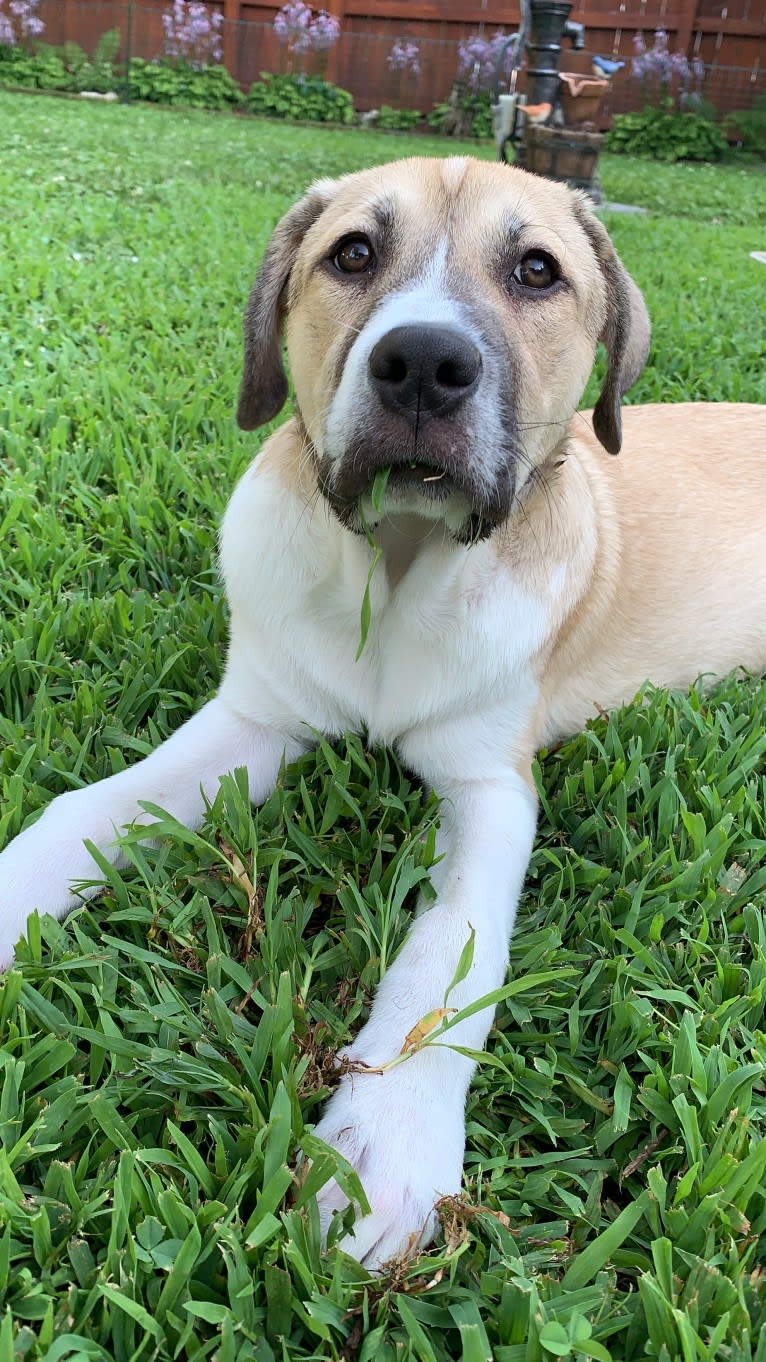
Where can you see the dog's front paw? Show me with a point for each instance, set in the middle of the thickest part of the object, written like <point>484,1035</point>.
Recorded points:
<point>38,868</point>
<point>403,1131</point>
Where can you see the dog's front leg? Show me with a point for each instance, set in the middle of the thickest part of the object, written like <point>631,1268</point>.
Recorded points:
<point>39,868</point>
<point>403,1128</point>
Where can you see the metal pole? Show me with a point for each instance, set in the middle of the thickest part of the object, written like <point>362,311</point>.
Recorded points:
<point>128,52</point>
<point>548,18</point>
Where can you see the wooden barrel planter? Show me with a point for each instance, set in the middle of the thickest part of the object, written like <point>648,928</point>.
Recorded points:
<point>565,154</point>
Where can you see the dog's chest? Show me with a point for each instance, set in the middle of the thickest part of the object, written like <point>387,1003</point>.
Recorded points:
<point>448,637</point>
<point>453,635</point>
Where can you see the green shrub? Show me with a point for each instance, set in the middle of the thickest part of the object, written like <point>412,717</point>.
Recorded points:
<point>305,99</point>
<point>93,73</point>
<point>397,120</point>
<point>481,122</point>
<point>747,127</point>
<point>703,108</point>
<point>40,70</point>
<point>62,68</point>
<point>474,109</point>
<point>667,136</point>
<point>163,82</point>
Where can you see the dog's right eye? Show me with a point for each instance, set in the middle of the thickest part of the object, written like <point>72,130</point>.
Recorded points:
<point>536,270</point>
<point>354,256</point>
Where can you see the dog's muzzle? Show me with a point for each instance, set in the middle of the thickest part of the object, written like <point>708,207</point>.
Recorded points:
<point>414,416</point>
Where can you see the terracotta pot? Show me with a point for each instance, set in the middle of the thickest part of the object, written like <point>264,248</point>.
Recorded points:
<point>581,97</point>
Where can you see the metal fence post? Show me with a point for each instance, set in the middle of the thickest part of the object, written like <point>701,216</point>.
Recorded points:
<point>128,52</point>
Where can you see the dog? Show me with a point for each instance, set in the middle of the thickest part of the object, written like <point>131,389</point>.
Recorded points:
<point>442,318</point>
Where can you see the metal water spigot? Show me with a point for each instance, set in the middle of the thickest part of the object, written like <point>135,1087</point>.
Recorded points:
<point>575,33</point>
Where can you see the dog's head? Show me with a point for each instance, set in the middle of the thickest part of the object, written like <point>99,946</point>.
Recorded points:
<point>442,319</point>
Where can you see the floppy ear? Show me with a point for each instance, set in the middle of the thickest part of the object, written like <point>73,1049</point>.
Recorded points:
<point>264,382</point>
<point>625,334</point>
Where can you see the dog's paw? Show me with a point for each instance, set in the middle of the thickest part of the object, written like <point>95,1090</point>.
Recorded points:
<point>403,1132</point>
<point>38,868</point>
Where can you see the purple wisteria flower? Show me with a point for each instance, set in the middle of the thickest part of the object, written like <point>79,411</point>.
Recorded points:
<point>324,30</point>
<point>302,31</point>
<point>19,21</point>
<point>671,71</point>
<point>193,33</point>
<point>404,57</point>
<point>478,57</point>
<point>291,25</point>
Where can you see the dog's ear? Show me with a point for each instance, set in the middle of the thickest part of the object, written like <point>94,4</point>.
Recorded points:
<point>626,333</point>
<point>264,383</point>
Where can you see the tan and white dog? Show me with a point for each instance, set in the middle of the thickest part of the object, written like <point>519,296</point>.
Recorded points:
<point>442,318</point>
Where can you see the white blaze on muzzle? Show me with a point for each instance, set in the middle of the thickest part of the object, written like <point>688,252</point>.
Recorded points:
<point>356,399</point>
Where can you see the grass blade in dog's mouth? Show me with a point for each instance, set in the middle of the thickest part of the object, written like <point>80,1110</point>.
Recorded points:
<point>376,497</point>
<point>379,488</point>
<point>402,477</point>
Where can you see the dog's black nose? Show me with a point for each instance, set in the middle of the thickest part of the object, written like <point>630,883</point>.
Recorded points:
<point>424,369</point>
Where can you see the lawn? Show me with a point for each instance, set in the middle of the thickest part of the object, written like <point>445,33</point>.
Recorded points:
<point>163,1050</point>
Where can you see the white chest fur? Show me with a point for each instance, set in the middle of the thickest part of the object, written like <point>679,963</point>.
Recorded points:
<point>451,635</point>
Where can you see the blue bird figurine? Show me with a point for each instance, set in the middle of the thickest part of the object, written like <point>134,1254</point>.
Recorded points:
<point>604,66</point>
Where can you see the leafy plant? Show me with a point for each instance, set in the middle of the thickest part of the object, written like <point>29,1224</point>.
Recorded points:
<point>397,120</point>
<point>43,69</point>
<point>476,112</point>
<point>304,99</point>
<point>747,127</point>
<point>97,72</point>
<point>666,135</point>
<point>62,68</point>
<point>160,82</point>
<point>177,83</point>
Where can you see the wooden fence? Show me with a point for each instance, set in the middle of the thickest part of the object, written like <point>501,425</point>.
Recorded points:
<point>729,37</point>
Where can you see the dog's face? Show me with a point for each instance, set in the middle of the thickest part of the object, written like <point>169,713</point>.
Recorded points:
<point>442,320</point>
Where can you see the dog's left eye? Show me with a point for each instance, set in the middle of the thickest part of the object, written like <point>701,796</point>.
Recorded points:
<point>536,270</point>
<point>354,256</point>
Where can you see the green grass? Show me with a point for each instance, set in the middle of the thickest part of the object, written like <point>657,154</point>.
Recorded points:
<point>163,1049</point>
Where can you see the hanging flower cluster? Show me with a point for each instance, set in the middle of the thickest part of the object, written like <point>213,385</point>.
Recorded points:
<point>302,31</point>
<point>193,33</point>
<point>19,20</point>
<point>657,66</point>
<point>478,57</point>
<point>404,57</point>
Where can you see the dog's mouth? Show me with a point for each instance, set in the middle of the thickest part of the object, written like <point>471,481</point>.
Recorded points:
<point>417,488</point>
<point>430,491</point>
<point>361,497</point>
<point>435,483</point>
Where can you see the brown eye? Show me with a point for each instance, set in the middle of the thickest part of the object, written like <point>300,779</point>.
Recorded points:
<point>354,256</point>
<point>536,270</point>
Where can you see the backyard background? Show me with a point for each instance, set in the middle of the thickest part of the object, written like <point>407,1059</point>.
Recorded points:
<point>165,1052</point>
<point>728,36</point>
